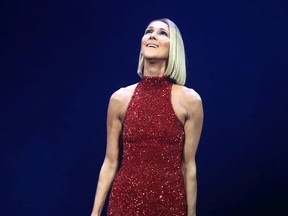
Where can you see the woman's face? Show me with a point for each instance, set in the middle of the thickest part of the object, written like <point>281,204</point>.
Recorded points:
<point>156,41</point>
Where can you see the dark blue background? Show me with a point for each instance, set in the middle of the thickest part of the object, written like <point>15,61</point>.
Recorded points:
<point>61,60</point>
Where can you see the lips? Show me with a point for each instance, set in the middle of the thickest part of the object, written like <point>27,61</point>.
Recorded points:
<point>152,45</point>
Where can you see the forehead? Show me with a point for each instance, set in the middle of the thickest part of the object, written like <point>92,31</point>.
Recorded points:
<point>158,24</point>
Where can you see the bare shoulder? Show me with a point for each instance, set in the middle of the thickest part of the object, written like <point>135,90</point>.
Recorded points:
<point>187,95</point>
<point>123,93</point>
<point>119,100</point>
<point>190,101</point>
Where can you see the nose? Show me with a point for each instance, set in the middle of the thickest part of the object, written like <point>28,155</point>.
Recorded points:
<point>153,35</point>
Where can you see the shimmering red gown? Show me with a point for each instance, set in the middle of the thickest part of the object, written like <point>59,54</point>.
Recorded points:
<point>150,180</point>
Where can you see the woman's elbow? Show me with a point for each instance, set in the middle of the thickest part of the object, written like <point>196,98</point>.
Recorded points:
<point>189,169</point>
<point>111,163</point>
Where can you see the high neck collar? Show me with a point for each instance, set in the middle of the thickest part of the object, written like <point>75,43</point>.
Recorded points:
<point>151,81</point>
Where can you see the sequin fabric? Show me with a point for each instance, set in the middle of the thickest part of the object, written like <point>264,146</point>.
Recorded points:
<point>150,181</point>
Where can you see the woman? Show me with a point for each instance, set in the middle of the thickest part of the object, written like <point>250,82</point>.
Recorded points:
<point>158,121</point>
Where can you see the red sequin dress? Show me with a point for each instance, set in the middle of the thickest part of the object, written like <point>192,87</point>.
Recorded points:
<point>150,180</point>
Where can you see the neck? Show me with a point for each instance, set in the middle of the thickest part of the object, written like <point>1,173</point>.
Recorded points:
<point>154,68</point>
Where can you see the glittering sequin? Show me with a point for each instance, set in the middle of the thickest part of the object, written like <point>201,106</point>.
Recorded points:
<point>150,180</point>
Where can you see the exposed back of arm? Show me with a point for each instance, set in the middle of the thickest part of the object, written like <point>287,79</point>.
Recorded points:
<point>110,164</point>
<point>193,128</point>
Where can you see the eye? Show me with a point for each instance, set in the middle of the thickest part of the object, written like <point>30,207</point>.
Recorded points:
<point>148,31</point>
<point>164,33</point>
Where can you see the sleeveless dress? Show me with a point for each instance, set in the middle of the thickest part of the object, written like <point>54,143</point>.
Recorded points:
<point>150,180</point>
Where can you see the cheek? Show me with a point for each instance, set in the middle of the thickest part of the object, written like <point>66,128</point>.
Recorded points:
<point>143,42</point>
<point>167,45</point>
<point>144,39</point>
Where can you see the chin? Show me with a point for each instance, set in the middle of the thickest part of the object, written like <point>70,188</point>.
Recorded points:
<point>153,56</point>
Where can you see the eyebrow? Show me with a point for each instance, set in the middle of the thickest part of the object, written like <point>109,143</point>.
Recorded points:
<point>151,27</point>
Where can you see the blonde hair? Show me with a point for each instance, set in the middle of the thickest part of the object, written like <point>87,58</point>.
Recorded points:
<point>176,65</point>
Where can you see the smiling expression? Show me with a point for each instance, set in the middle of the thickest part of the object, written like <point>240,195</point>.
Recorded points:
<point>155,42</point>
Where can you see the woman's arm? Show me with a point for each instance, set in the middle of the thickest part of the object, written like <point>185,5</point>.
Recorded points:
<point>110,164</point>
<point>192,128</point>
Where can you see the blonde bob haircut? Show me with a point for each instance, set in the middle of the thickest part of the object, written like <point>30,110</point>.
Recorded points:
<point>176,64</point>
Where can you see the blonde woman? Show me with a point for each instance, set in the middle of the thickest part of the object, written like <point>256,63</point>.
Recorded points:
<point>158,122</point>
